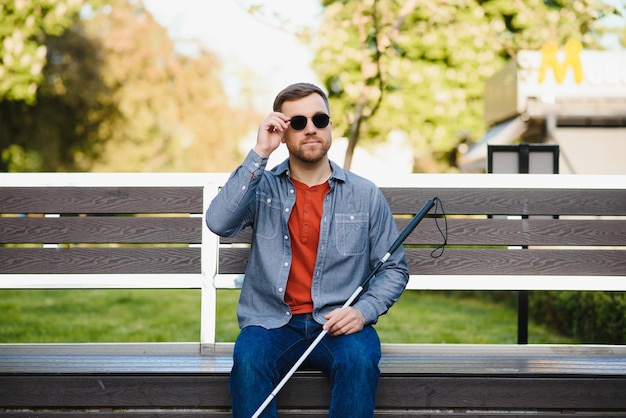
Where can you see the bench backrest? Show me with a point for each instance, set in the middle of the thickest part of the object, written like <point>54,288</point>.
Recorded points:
<point>505,232</point>
<point>83,231</point>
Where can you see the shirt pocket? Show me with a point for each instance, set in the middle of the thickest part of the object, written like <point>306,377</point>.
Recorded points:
<point>351,237</point>
<point>268,219</point>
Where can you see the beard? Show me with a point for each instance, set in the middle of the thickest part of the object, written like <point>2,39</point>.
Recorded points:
<point>310,154</point>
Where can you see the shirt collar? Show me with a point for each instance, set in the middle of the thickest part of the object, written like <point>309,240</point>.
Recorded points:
<point>282,169</point>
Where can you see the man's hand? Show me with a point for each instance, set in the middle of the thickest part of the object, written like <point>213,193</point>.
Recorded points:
<point>270,133</point>
<point>344,321</point>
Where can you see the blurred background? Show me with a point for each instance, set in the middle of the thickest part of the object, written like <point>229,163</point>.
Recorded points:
<point>159,85</point>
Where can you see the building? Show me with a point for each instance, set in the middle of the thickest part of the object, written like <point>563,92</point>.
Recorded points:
<point>573,98</point>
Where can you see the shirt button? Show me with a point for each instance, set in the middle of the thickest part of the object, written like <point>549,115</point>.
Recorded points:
<point>286,264</point>
<point>286,237</point>
<point>280,290</point>
<point>286,209</point>
<point>256,164</point>
<point>352,217</point>
<point>291,191</point>
<point>268,201</point>
<point>243,187</point>
<point>287,313</point>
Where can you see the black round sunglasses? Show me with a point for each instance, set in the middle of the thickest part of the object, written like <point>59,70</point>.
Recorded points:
<point>321,120</point>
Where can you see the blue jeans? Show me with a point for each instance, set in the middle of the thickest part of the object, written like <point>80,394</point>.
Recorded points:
<point>263,356</point>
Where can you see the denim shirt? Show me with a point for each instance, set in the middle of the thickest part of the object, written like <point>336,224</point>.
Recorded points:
<point>356,231</point>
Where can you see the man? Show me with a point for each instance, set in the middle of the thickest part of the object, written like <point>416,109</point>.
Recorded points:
<point>318,230</point>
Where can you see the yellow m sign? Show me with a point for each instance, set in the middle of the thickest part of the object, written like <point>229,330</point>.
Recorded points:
<point>549,59</point>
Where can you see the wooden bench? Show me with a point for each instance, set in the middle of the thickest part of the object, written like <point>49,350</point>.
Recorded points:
<point>505,232</point>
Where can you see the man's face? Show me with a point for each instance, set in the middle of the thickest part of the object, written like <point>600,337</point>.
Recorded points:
<point>311,144</point>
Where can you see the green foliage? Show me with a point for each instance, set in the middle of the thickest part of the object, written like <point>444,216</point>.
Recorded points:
<point>63,130</point>
<point>430,60</point>
<point>18,159</point>
<point>175,113</point>
<point>583,317</point>
<point>24,27</point>
<point>588,317</point>
<point>116,95</point>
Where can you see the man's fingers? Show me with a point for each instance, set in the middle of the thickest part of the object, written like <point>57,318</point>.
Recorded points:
<point>276,122</point>
<point>344,321</point>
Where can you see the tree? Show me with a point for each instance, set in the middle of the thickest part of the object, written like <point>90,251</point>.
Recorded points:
<point>115,95</point>
<point>60,129</point>
<point>420,66</point>
<point>175,114</point>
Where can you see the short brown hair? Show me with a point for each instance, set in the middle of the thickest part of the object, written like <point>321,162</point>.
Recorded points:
<point>298,91</point>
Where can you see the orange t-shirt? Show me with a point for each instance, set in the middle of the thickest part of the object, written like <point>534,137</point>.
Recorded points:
<point>304,229</point>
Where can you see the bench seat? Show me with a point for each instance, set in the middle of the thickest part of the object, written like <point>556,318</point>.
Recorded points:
<point>417,380</point>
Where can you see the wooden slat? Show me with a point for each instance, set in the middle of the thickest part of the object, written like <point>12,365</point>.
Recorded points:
<point>519,232</point>
<point>501,392</point>
<point>101,229</point>
<point>112,390</point>
<point>99,260</point>
<point>233,260</point>
<point>174,413</point>
<point>492,231</point>
<point>471,261</point>
<point>466,201</point>
<point>423,391</point>
<point>311,390</point>
<point>132,364</point>
<point>517,262</point>
<point>100,200</point>
<point>303,413</point>
<point>398,359</point>
<point>245,236</point>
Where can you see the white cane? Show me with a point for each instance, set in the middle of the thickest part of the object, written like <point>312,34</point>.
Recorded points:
<point>403,235</point>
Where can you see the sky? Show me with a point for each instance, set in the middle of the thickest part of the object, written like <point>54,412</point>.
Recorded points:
<point>257,46</point>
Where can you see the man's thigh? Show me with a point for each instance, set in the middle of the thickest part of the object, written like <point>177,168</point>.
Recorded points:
<point>361,348</point>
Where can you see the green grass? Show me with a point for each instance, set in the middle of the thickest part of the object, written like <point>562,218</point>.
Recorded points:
<point>43,316</point>
<point>429,317</point>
